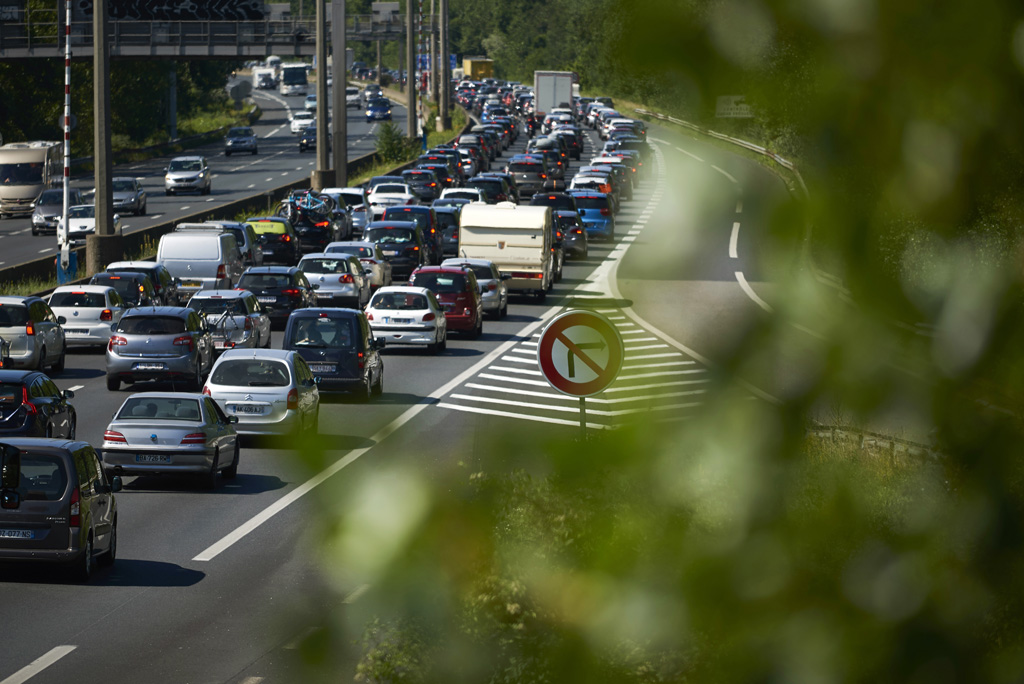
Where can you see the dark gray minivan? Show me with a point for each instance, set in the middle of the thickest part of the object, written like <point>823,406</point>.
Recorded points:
<point>56,505</point>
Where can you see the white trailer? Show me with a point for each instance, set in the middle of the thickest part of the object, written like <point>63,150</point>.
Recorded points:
<point>551,90</point>
<point>517,238</point>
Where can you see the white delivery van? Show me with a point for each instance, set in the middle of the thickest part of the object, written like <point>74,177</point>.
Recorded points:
<point>517,238</point>
<point>201,260</point>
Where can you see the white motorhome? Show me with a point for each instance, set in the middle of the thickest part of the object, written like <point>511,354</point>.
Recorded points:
<point>26,169</point>
<point>517,238</point>
<point>294,78</point>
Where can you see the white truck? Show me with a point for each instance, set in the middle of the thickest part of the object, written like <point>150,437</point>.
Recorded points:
<point>551,90</point>
<point>517,238</point>
<point>259,72</point>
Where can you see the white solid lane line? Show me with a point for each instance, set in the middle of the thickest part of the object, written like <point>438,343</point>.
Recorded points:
<point>352,456</point>
<point>48,249</point>
<point>76,388</point>
<point>742,280</point>
<point>733,239</point>
<point>38,665</point>
<point>725,173</point>
<point>739,207</point>
<point>689,154</point>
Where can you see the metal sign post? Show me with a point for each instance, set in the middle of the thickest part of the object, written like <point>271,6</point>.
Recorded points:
<point>580,353</point>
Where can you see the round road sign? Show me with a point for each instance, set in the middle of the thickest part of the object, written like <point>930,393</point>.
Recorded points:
<point>580,353</point>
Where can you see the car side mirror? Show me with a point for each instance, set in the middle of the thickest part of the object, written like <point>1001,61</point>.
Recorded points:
<point>62,320</point>
<point>68,394</point>
<point>232,420</point>
<point>379,343</point>
<point>506,276</point>
<point>116,484</point>
<point>316,286</point>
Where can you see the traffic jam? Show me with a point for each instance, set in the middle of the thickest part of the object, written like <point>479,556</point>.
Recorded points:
<point>238,329</point>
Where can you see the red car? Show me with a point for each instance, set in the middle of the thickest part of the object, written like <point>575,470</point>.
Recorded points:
<point>457,290</point>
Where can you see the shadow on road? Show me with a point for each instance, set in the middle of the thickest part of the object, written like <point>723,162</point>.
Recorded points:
<point>126,572</point>
<point>244,483</point>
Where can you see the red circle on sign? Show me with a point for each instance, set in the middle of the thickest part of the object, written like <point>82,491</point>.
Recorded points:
<point>556,332</point>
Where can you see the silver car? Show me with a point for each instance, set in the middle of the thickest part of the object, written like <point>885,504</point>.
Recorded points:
<point>272,391</point>
<point>187,174</point>
<point>159,343</point>
<point>240,139</point>
<point>32,333</point>
<point>370,254</point>
<point>492,282</point>
<point>234,317</point>
<point>171,433</point>
<point>339,279</point>
<point>129,196</point>
<point>357,205</point>
<point>90,312</point>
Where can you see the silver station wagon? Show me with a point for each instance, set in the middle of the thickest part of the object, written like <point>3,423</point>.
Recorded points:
<point>159,343</point>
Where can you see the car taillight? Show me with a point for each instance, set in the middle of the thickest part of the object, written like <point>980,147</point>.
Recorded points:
<point>285,238</point>
<point>29,406</point>
<point>604,188</point>
<point>429,317</point>
<point>291,292</point>
<point>222,272</point>
<point>322,224</point>
<point>491,287</point>
<point>74,517</point>
<point>194,438</point>
<point>359,356</point>
<point>114,436</point>
<point>30,328</point>
<point>184,341</point>
<point>206,391</point>
<point>116,341</point>
<point>360,208</point>
<point>369,316</point>
<point>543,176</point>
<point>605,212</point>
<point>577,231</point>
<point>248,324</point>
<point>347,278</point>
<point>106,315</point>
<point>293,399</point>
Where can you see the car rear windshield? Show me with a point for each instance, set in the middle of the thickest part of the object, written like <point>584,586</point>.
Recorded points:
<point>525,167</point>
<point>160,408</point>
<point>43,477</point>
<point>552,201</point>
<point>320,265</point>
<point>151,325</point>
<point>126,287</point>
<point>11,393</point>
<point>440,282</point>
<point>390,187</point>
<point>96,299</point>
<point>51,197</point>
<point>353,199</point>
<point>13,314</point>
<point>212,306</point>
<point>401,301</point>
<point>354,250</point>
<point>390,235</point>
<point>330,333</point>
<point>591,202</point>
<point>447,219</point>
<point>252,373</point>
<point>267,227</point>
<point>264,281</point>
<point>417,217</point>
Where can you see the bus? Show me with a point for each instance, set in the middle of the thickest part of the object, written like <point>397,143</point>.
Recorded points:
<point>293,79</point>
<point>26,169</point>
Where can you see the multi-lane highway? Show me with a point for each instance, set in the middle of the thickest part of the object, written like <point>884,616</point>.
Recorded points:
<point>279,162</point>
<point>217,586</point>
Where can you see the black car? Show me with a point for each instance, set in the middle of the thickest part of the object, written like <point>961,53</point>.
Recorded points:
<point>136,289</point>
<point>510,183</point>
<point>280,290</point>
<point>339,348</point>
<point>164,284</point>
<point>316,231</point>
<point>401,243</point>
<point>278,239</point>
<point>574,234</point>
<point>32,406</point>
<point>424,183</point>
<point>555,200</point>
<point>495,189</point>
<point>448,224</point>
<point>307,141</point>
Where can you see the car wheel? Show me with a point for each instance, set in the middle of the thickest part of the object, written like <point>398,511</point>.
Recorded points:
<point>227,153</point>
<point>315,427</point>
<point>209,480</point>
<point>378,389</point>
<point>108,557</point>
<point>444,343</point>
<point>168,193</point>
<point>113,384</point>
<point>59,366</point>
<point>35,231</point>
<point>142,211</point>
<point>83,564</point>
<point>197,379</point>
<point>479,329</point>
<point>255,150</point>
<point>41,364</point>
<point>232,470</point>
<point>48,432</point>
<point>73,430</point>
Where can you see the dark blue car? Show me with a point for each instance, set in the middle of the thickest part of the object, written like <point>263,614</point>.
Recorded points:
<point>378,109</point>
<point>339,348</point>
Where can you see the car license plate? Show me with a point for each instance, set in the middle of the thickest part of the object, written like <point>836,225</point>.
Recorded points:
<point>16,534</point>
<point>390,252</point>
<point>401,320</point>
<point>192,283</point>
<point>325,295</point>
<point>246,408</point>
<point>152,458</point>
<point>322,367</point>
<point>75,331</point>
<point>266,300</point>
<point>149,366</point>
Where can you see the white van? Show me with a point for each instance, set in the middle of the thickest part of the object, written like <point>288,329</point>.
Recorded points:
<point>517,238</point>
<point>201,260</point>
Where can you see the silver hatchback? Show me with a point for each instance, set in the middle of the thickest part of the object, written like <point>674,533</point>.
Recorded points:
<point>159,343</point>
<point>339,279</point>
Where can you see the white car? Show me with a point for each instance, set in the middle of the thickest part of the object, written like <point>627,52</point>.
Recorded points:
<point>81,221</point>
<point>386,195</point>
<point>353,98</point>
<point>371,256</point>
<point>468,162</point>
<point>408,315</point>
<point>235,318</point>
<point>271,391</point>
<point>91,312</point>
<point>472,194</point>
<point>310,103</point>
<point>302,120</point>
